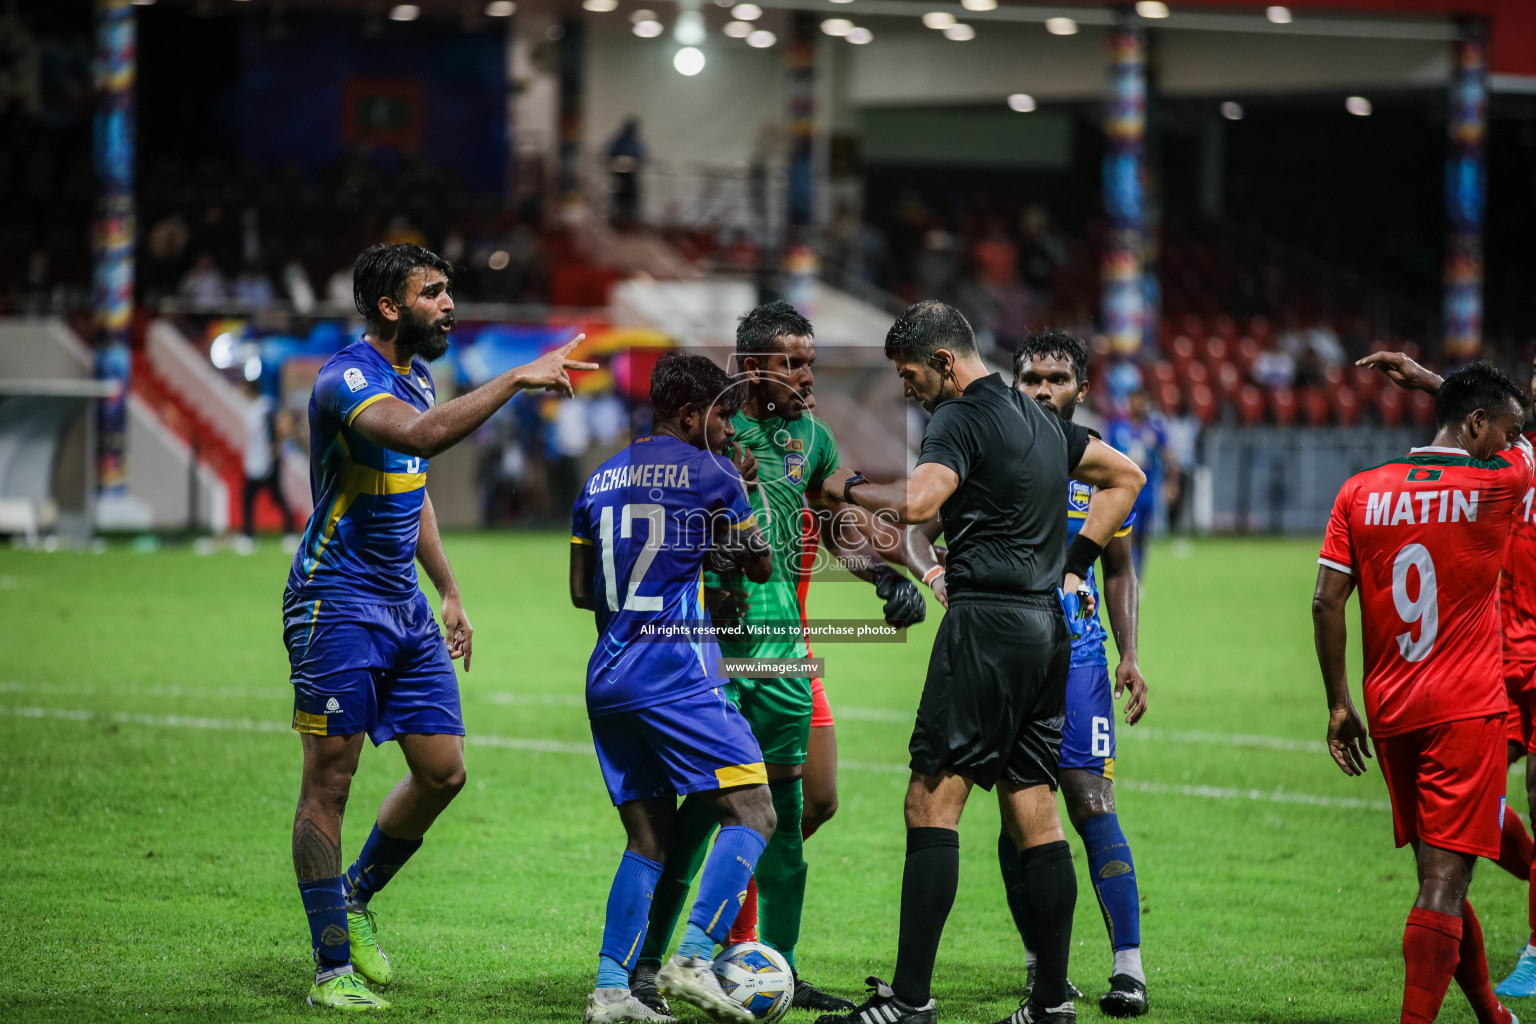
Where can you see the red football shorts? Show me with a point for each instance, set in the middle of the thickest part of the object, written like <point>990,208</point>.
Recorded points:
<point>1447,784</point>
<point>1519,680</point>
<point>821,711</point>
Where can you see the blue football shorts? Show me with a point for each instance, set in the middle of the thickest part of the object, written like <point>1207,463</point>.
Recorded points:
<point>1088,734</point>
<point>376,667</point>
<point>692,745</point>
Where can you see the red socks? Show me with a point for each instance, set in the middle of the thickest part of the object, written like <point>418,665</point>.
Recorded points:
<point>1515,848</point>
<point>1472,971</point>
<point>1431,950</point>
<point>745,928</point>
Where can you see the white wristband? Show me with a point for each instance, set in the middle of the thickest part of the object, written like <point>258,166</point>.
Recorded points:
<point>931,575</point>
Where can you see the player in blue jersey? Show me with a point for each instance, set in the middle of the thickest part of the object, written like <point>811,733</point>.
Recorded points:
<point>1051,366</point>
<point>1140,433</point>
<point>641,532</point>
<point>365,655</point>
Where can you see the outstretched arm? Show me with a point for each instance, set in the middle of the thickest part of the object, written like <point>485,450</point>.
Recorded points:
<point>1403,372</point>
<point>393,424</point>
<point>916,499</point>
<point>863,543</point>
<point>430,553</point>
<point>1346,732</point>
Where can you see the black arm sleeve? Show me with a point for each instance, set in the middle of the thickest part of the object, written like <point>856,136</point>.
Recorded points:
<point>1077,443</point>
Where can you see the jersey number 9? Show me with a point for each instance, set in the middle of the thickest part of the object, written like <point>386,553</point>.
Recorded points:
<point>1424,609</point>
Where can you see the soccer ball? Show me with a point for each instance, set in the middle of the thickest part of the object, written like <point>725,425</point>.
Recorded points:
<point>758,978</point>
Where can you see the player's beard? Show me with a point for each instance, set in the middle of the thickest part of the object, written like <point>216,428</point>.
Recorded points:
<point>423,337</point>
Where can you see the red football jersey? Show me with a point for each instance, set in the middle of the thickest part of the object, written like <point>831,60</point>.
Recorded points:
<point>1424,536</point>
<point>1517,584</point>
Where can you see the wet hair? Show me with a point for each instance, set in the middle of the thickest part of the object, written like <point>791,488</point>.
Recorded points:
<point>680,379</point>
<point>759,331</point>
<point>1056,343</point>
<point>927,326</point>
<point>1479,385</point>
<point>383,270</point>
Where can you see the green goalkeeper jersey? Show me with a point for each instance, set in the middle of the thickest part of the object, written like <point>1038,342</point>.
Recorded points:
<point>793,458</point>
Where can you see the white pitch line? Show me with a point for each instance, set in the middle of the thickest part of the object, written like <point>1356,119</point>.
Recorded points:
<point>540,746</point>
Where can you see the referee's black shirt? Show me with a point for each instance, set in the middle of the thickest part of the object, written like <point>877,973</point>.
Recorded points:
<point>1006,524</point>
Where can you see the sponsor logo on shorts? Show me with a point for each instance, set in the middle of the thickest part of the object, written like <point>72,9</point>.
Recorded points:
<point>332,706</point>
<point>354,378</point>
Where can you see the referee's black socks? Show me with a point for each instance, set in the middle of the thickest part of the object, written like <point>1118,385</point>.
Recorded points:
<point>1050,895</point>
<point>928,884</point>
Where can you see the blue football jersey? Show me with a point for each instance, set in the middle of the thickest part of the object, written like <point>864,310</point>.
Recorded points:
<point>360,542</point>
<point>651,512</point>
<point>1088,646</point>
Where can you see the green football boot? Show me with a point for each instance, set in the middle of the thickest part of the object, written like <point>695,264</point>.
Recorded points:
<point>367,958</point>
<point>346,992</point>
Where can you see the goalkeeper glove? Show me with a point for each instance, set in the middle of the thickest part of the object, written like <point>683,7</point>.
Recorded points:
<point>904,603</point>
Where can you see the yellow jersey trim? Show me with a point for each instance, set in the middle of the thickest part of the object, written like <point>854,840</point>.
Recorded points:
<point>1124,533</point>
<point>751,520</point>
<point>359,480</point>
<point>365,404</point>
<point>742,775</point>
<point>305,722</point>
<point>1109,769</point>
<point>580,540</point>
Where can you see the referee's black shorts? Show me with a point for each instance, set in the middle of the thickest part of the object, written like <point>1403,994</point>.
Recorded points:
<point>995,698</point>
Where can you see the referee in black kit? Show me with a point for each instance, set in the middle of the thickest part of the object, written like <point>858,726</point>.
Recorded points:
<point>995,464</point>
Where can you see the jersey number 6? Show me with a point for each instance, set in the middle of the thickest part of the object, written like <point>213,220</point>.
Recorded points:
<point>1424,609</point>
<point>657,516</point>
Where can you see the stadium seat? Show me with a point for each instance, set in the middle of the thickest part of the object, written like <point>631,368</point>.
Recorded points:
<point>1192,325</point>
<point>1229,380</point>
<point>1202,402</point>
<point>1245,353</point>
<point>1346,406</point>
<point>1162,373</point>
<point>1260,329</point>
<point>1365,381</point>
<point>1214,351</point>
<point>1420,406</point>
<point>1169,399</point>
<point>1250,405</point>
<point>1314,407</point>
<point>1282,402</point>
<point>1225,328</point>
<point>1196,373</point>
<point>1389,406</point>
<point>1182,352</point>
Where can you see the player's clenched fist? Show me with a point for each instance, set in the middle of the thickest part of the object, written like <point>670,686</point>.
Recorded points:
<point>904,604</point>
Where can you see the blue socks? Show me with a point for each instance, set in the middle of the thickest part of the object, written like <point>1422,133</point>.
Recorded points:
<point>629,910</point>
<point>1114,879</point>
<point>326,907</point>
<point>381,856</point>
<point>721,890</point>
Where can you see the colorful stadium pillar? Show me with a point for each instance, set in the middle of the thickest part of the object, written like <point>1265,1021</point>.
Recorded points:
<point>1465,195</point>
<point>112,279</point>
<point>799,264</point>
<point>1125,129</point>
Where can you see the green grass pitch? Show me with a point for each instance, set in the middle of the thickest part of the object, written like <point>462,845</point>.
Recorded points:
<point>147,783</point>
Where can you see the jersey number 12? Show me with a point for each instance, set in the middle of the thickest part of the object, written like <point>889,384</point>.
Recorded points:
<point>633,602</point>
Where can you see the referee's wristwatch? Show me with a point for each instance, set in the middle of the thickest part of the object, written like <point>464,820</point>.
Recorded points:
<point>857,478</point>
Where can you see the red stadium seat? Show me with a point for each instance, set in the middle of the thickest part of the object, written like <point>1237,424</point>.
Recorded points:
<point>1229,380</point>
<point>1214,351</point>
<point>1346,405</point>
<point>1333,376</point>
<point>1169,399</point>
<point>1421,408</point>
<point>1225,327</point>
<point>1389,406</point>
<point>1250,405</point>
<point>1192,325</point>
<point>1260,329</point>
<point>1202,402</point>
<point>1182,352</point>
<point>1196,373</point>
<point>1365,381</point>
<point>1282,402</point>
<point>1245,353</point>
<point>1314,407</point>
<point>1164,373</point>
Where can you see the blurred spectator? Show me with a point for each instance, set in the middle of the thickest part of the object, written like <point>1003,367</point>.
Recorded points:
<point>609,418</point>
<point>1142,435</point>
<point>935,266</point>
<point>1324,340</point>
<point>567,440</point>
<point>1274,369</point>
<point>166,252</point>
<point>204,285</point>
<point>402,232</point>
<point>338,287</point>
<point>253,288</point>
<point>263,460</point>
<point>296,284</point>
<point>996,257</point>
<point>626,159</point>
